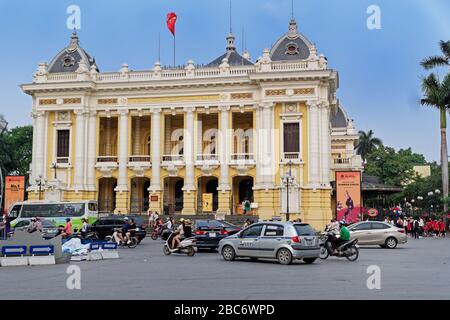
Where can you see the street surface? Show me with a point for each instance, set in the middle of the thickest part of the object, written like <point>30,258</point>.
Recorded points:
<point>417,270</point>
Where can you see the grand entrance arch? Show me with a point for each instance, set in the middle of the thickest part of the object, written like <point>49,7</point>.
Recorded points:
<point>207,185</point>
<point>107,195</point>
<point>242,190</point>
<point>173,195</point>
<point>139,196</point>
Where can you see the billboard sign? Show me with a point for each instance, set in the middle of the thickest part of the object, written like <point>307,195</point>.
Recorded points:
<point>14,191</point>
<point>348,196</point>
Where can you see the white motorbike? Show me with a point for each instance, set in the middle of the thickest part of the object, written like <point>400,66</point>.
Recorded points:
<point>187,246</point>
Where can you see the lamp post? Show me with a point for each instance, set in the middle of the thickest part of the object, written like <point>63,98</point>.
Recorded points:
<point>3,128</point>
<point>288,179</point>
<point>40,182</point>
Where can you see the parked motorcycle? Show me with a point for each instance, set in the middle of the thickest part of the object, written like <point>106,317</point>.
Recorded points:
<point>187,246</point>
<point>347,249</point>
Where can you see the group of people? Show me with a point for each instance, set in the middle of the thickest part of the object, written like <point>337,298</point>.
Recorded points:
<point>126,232</point>
<point>184,229</point>
<point>416,228</point>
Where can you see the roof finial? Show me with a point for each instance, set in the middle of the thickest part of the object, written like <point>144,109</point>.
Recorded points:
<point>74,40</point>
<point>231,17</point>
<point>292,10</point>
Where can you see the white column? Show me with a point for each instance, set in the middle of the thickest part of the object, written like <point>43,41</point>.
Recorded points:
<point>79,150</point>
<point>314,150</point>
<point>156,150</point>
<point>33,154</point>
<point>259,142</point>
<point>91,150</point>
<point>39,165</point>
<point>189,182</point>
<point>122,182</point>
<point>224,149</point>
<point>266,144</point>
<point>325,150</point>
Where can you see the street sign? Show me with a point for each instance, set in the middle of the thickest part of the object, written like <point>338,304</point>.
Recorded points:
<point>42,250</point>
<point>94,246</point>
<point>109,246</point>
<point>14,250</point>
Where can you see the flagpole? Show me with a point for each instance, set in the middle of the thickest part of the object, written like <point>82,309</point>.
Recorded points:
<point>174,50</point>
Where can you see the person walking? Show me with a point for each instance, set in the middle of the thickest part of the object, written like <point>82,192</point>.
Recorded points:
<point>421,226</point>
<point>416,229</point>
<point>442,230</point>
<point>405,225</point>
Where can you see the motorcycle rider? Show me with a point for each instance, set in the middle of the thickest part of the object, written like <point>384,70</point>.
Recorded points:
<point>179,233</point>
<point>85,227</point>
<point>344,236</point>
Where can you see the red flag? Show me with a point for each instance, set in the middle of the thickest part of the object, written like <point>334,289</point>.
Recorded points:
<point>171,20</point>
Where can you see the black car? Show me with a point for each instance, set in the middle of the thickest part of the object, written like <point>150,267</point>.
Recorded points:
<point>209,232</point>
<point>105,226</point>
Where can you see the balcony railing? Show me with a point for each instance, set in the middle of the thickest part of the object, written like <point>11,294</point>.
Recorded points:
<point>139,159</point>
<point>291,155</point>
<point>207,157</point>
<point>62,160</point>
<point>242,156</point>
<point>172,157</point>
<point>342,161</point>
<point>107,159</point>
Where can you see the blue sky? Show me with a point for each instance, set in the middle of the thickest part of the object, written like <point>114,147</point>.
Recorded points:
<point>379,69</point>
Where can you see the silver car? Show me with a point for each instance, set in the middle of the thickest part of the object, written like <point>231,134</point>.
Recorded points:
<point>377,233</point>
<point>284,241</point>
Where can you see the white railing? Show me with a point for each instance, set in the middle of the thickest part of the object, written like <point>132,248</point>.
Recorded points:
<point>177,73</point>
<point>291,155</point>
<point>107,159</point>
<point>207,157</point>
<point>172,158</point>
<point>242,156</point>
<point>139,159</point>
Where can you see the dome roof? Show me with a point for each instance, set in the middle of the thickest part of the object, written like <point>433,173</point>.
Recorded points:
<point>68,59</point>
<point>340,119</point>
<point>291,46</point>
<point>233,57</point>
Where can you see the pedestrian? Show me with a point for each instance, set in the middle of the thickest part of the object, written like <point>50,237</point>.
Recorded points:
<point>409,227</point>
<point>436,228</point>
<point>442,230</point>
<point>246,206</point>
<point>416,229</point>
<point>421,226</point>
<point>405,225</point>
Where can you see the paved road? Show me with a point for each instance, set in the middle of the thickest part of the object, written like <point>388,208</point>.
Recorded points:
<point>418,270</point>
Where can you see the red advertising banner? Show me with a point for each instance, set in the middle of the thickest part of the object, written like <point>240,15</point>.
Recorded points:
<point>348,196</point>
<point>14,191</point>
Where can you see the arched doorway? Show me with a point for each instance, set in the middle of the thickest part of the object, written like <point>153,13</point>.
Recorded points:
<point>139,195</point>
<point>173,195</point>
<point>207,185</point>
<point>107,195</point>
<point>242,190</point>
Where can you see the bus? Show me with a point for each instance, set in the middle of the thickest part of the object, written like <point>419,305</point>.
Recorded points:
<point>57,212</point>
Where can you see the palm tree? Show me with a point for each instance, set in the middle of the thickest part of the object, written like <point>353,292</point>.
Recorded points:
<point>438,61</point>
<point>437,94</point>
<point>367,144</point>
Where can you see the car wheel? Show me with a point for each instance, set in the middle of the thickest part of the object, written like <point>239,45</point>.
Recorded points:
<point>309,260</point>
<point>284,256</point>
<point>228,253</point>
<point>166,250</point>
<point>391,243</point>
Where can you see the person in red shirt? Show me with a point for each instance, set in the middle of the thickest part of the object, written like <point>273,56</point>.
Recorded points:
<point>442,228</point>
<point>409,227</point>
<point>436,228</point>
<point>67,231</point>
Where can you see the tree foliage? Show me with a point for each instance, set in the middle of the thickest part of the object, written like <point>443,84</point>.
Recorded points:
<point>392,167</point>
<point>16,147</point>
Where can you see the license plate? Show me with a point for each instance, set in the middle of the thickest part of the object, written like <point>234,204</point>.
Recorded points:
<point>212,234</point>
<point>308,243</point>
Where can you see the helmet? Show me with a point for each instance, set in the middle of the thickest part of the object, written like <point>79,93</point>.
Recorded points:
<point>182,220</point>
<point>342,222</point>
<point>126,218</point>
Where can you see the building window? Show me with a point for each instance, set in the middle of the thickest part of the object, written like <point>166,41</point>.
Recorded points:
<point>62,146</point>
<point>291,138</point>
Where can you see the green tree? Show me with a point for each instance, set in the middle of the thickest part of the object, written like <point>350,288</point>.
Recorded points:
<point>367,143</point>
<point>393,168</point>
<point>438,61</point>
<point>437,94</point>
<point>16,150</point>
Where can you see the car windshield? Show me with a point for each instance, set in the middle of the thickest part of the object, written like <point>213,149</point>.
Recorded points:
<point>304,230</point>
<point>48,224</point>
